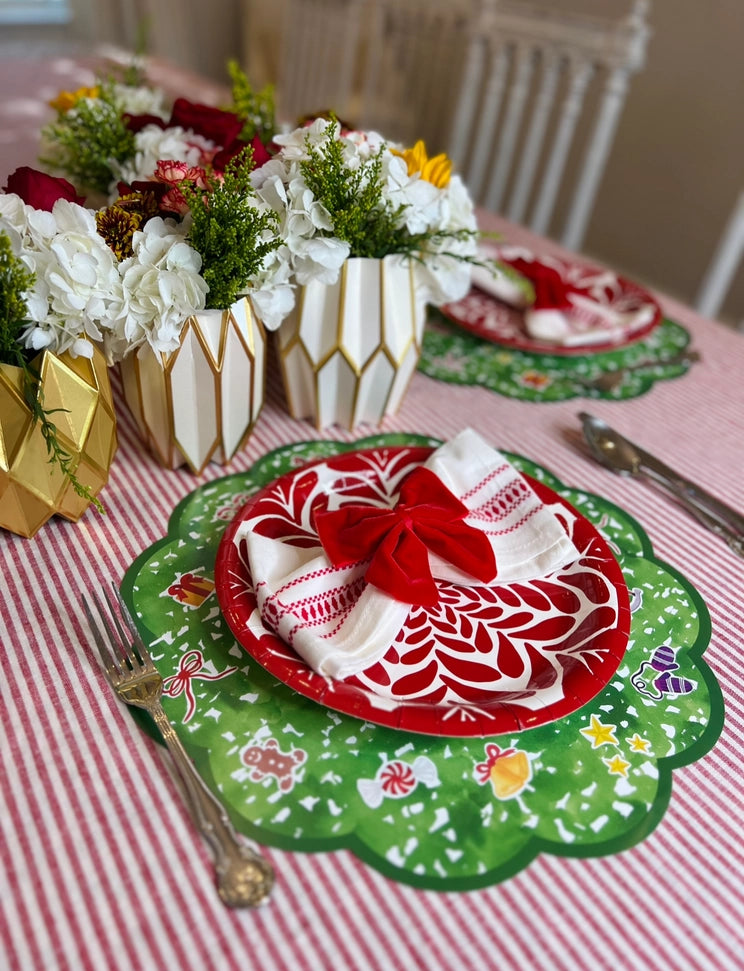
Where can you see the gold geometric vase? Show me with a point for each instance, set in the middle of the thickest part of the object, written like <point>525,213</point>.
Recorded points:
<point>78,392</point>
<point>199,403</point>
<point>348,350</point>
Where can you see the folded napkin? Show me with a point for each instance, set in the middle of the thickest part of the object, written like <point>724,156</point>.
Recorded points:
<point>326,609</point>
<point>563,311</point>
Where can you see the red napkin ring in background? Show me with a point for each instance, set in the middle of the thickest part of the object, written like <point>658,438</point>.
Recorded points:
<point>551,290</point>
<point>397,541</point>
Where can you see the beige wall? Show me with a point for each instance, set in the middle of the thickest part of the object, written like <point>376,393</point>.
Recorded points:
<point>677,165</point>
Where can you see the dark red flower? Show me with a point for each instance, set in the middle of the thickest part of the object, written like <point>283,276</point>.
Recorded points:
<point>40,190</point>
<point>136,123</point>
<point>220,127</point>
<point>228,153</point>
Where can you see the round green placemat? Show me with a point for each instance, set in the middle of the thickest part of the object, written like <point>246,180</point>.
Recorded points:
<point>453,355</point>
<point>443,814</point>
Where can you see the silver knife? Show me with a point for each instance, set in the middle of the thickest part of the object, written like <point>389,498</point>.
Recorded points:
<point>621,455</point>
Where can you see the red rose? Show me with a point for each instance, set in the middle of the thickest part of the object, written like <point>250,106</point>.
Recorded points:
<point>39,190</point>
<point>220,127</point>
<point>135,123</point>
<point>260,154</point>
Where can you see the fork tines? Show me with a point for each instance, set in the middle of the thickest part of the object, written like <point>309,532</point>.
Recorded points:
<point>116,636</point>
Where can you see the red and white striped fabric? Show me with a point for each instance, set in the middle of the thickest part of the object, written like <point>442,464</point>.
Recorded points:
<point>101,866</point>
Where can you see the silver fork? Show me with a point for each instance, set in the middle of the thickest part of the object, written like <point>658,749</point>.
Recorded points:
<point>244,878</point>
<point>609,380</point>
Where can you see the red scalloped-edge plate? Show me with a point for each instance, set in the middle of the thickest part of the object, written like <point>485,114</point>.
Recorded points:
<point>558,639</point>
<point>489,318</point>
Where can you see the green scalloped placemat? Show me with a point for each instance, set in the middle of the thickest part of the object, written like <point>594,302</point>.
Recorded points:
<point>444,814</point>
<point>453,355</point>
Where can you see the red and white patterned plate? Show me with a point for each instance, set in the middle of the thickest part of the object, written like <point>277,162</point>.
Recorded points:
<point>489,318</point>
<point>555,641</point>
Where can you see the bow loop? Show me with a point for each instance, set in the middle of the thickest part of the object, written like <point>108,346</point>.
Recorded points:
<point>397,542</point>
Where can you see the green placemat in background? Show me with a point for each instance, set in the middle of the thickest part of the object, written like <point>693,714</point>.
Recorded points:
<point>453,355</point>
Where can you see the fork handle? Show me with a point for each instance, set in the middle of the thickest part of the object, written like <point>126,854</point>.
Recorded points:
<point>244,878</point>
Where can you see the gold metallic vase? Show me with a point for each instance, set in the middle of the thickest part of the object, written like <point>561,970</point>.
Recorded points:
<point>348,350</point>
<point>199,403</point>
<point>78,392</point>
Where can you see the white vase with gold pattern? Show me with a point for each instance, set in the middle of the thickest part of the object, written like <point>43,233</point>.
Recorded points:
<point>348,350</point>
<point>199,403</point>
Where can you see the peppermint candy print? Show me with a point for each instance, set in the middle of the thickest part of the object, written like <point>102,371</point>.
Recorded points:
<point>396,780</point>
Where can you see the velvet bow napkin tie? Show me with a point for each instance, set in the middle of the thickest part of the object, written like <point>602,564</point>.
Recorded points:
<point>397,541</point>
<point>466,517</point>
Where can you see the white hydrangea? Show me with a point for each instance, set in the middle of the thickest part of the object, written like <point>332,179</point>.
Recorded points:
<point>161,285</point>
<point>140,100</point>
<point>153,144</point>
<point>307,227</point>
<point>77,281</point>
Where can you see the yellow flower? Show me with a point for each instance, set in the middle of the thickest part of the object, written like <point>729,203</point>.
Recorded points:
<point>436,170</point>
<point>68,99</point>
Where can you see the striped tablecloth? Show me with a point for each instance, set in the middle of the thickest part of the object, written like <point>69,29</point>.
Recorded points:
<point>101,866</point>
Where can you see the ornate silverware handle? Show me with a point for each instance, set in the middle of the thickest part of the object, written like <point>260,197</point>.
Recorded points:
<point>693,496</point>
<point>244,878</point>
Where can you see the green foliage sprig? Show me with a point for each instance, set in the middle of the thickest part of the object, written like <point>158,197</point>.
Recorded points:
<point>86,139</point>
<point>371,225</point>
<point>227,230</point>
<point>256,109</point>
<point>15,280</point>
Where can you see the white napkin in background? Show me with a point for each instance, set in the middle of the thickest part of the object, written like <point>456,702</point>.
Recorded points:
<point>590,321</point>
<point>339,624</point>
<point>499,285</point>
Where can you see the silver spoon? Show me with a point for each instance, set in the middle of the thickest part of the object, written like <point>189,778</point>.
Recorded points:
<point>610,380</point>
<point>619,454</point>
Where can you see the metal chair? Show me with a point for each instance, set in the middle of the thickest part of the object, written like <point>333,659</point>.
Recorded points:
<point>533,78</point>
<point>726,260</point>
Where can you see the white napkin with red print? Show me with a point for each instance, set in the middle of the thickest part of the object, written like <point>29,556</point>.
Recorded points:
<point>339,623</point>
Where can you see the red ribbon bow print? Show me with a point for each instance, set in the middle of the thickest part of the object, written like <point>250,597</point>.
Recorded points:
<point>551,289</point>
<point>397,541</point>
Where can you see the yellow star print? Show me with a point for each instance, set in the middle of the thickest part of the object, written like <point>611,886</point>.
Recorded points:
<point>639,744</point>
<point>600,734</point>
<point>617,766</point>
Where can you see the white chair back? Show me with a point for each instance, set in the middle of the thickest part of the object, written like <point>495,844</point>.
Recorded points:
<point>413,58</point>
<point>318,61</point>
<point>526,92</point>
<point>726,260</point>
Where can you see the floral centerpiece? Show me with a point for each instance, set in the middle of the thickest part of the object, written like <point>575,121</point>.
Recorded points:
<point>373,233</point>
<point>347,194</point>
<point>202,271</point>
<point>117,131</point>
<point>57,286</point>
<point>131,279</point>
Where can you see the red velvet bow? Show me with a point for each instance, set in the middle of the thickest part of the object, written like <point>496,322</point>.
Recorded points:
<point>397,541</point>
<point>551,289</point>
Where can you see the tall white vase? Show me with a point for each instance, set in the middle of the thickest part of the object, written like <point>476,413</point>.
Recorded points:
<point>348,350</point>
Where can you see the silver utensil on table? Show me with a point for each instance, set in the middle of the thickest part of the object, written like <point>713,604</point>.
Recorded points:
<point>244,878</point>
<point>609,380</point>
<point>623,456</point>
